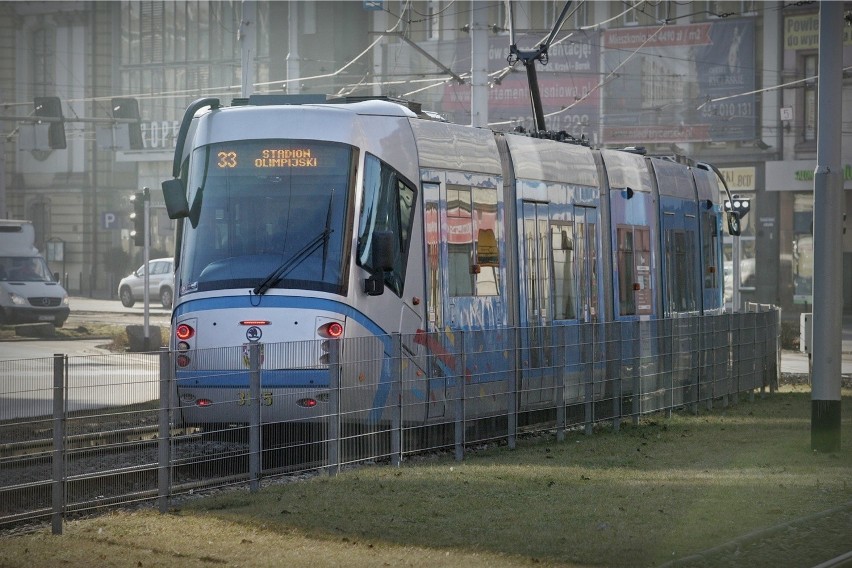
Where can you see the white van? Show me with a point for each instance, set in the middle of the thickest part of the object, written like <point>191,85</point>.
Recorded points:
<point>28,292</point>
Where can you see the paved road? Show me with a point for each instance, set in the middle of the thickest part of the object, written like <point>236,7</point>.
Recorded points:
<point>796,362</point>
<point>111,311</point>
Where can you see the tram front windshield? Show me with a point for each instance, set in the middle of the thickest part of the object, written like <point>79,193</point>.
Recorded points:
<point>271,211</point>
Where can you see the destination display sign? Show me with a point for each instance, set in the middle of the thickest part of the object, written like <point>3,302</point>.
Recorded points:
<point>266,158</point>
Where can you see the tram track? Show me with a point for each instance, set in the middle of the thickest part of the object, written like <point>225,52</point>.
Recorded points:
<point>80,441</point>
<point>117,467</point>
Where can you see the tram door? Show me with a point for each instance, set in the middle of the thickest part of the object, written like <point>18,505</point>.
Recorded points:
<point>536,309</point>
<point>574,246</point>
<point>586,254</point>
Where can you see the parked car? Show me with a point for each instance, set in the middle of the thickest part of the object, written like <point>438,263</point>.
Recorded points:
<point>161,283</point>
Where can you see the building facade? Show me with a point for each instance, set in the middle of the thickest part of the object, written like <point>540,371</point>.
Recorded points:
<point>727,82</point>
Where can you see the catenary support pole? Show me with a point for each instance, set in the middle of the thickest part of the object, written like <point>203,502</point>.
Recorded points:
<point>479,64</point>
<point>248,46</point>
<point>828,234</point>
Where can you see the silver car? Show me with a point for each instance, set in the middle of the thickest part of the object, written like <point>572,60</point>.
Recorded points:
<point>161,283</point>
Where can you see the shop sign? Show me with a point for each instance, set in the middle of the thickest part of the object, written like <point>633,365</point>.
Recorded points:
<point>740,179</point>
<point>798,175</point>
<point>802,32</point>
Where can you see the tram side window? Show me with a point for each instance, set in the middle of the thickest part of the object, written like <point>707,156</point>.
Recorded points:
<point>634,270</point>
<point>709,246</point>
<point>472,236</point>
<point>388,205</point>
<point>625,271</point>
<point>562,245</point>
<point>680,260</point>
<point>459,241</point>
<point>486,236</point>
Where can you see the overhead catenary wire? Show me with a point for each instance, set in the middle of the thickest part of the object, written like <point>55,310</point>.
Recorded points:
<point>360,82</point>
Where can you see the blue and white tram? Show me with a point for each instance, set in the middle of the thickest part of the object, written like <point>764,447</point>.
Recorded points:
<point>361,220</point>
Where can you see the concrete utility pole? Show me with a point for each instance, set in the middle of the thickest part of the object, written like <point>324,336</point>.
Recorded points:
<point>828,235</point>
<point>479,64</point>
<point>293,61</point>
<point>248,46</point>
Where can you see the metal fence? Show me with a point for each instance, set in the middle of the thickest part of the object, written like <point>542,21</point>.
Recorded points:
<point>79,434</point>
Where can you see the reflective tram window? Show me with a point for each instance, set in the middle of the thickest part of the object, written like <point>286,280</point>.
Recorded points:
<point>680,274</point>
<point>709,245</point>
<point>263,206</point>
<point>472,237</point>
<point>562,243</point>
<point>634,270</point>
<point>388,205</point>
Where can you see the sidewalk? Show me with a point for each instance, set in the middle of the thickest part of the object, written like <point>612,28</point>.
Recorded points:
<point>797,362</point>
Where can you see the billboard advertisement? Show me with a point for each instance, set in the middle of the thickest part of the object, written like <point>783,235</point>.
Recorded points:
<point>567,84</point>
<point>663,83</point>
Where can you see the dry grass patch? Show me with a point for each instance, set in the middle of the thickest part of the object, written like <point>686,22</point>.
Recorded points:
<point>667,489</point>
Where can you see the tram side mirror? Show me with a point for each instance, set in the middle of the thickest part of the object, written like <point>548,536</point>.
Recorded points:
<point>174,194</point>
<point>382,260</point>
<point>734,226</point>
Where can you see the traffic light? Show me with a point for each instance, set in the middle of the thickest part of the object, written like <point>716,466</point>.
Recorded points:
<point>125,107</point>
<point>51,107</point>
<point>738,205</point>
<point>138,217</point>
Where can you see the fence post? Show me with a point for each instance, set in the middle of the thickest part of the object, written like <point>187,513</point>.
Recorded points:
<point>164,435</point>
<point>512,391</point>
<point>460,386</point>
<point>560,383</point>
<point>701,361</point>
<point>733,381</point>
<point>254,417</point>
<point>635,353</point>
<point>614,371</point>
<point>588,366</point>
<point>667,328</point>
<point>396,414</point>
<point>334,405</point>
<point>759,365</point>
<point>58,485</point>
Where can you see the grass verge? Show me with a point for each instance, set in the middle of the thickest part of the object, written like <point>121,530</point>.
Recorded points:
<point>665,490</point>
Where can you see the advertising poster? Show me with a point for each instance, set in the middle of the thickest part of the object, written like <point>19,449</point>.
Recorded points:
<point>664,81</point>
<point>568,79</point>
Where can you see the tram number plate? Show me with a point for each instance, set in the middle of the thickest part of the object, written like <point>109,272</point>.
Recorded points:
<point>244,398</point>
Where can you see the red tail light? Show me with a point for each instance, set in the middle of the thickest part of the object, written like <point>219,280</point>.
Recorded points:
<point>331,330</point>
<point>184,331</point>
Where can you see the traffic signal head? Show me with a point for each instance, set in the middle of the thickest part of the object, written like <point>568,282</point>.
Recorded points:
<point>138,218</point>
<point>738,205</point>
<point>126,107</point>
<point>51,107</point>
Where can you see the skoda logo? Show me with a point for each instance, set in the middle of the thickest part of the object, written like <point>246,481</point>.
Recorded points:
<point>254,333</point>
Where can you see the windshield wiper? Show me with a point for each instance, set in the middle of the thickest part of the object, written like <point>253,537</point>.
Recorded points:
<point>300,255</point>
